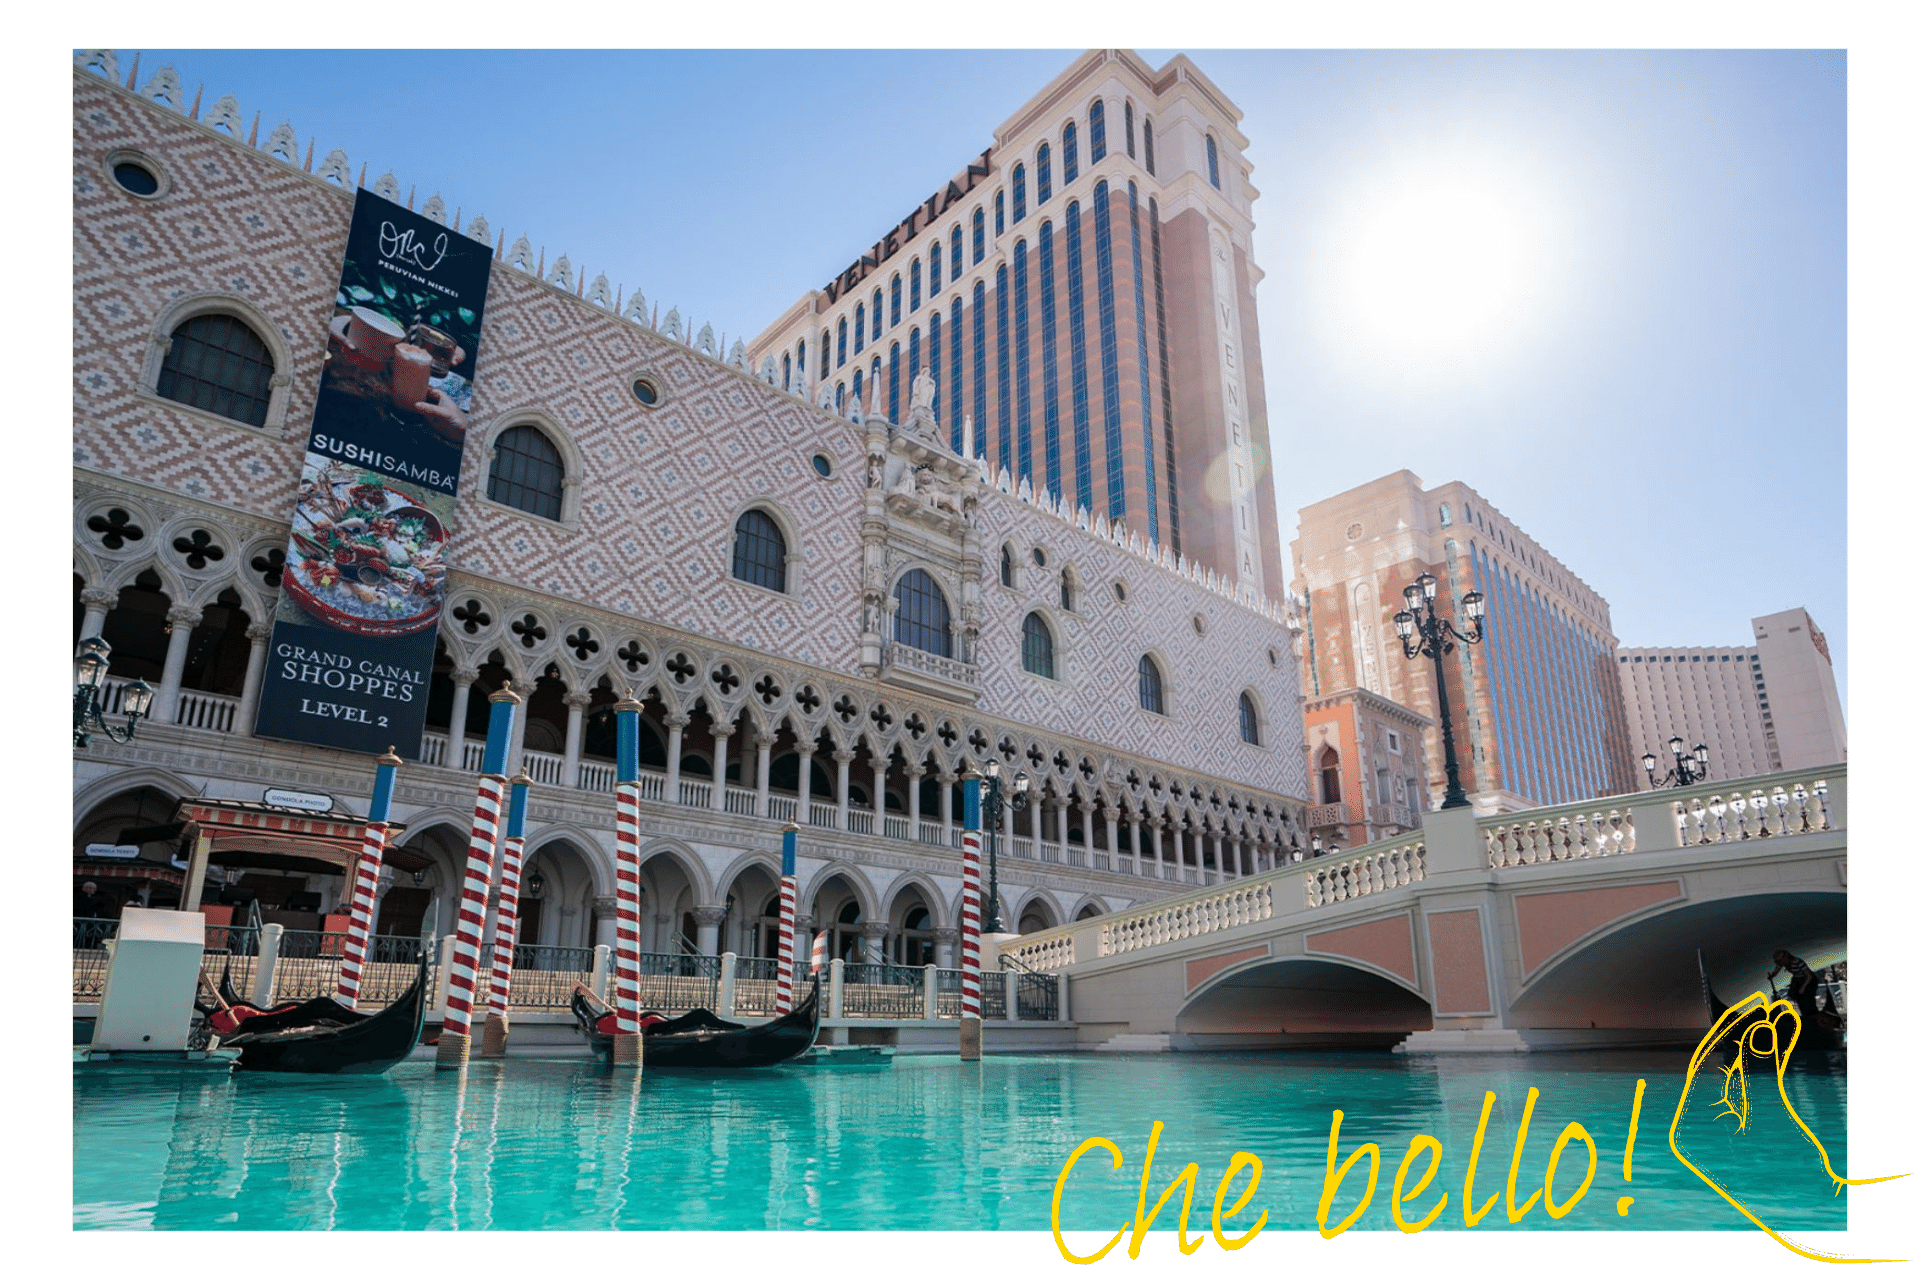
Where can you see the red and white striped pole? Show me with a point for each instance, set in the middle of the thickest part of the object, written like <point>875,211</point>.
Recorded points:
<point>366,882</point>
<point>819,957</point>
<point>626,883</point>
<point>456,1031</point>
<point>783,990</point>
<point>970,922</point>
<point>506,921</point>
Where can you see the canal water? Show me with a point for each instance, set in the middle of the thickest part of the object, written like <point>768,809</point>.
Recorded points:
<point>927,1143</point>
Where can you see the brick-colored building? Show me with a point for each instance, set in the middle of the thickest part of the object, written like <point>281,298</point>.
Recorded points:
<point>1366,767</point>
<point>1083,291</point>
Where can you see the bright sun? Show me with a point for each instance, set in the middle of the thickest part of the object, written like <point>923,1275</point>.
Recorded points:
<point>1438,269</point>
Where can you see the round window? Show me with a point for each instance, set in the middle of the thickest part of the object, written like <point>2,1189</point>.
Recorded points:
<point>823,465</point>
<point>136,173</point>
<point>1120,592</point>
<point>646,392</point>
<point>1040,557</point>
<point>1199,625</point>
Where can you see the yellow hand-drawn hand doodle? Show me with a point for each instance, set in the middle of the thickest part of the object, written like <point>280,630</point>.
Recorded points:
<point>1750,1093</point>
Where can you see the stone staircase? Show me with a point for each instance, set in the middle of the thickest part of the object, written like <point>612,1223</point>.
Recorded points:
<point>1137,1042</point>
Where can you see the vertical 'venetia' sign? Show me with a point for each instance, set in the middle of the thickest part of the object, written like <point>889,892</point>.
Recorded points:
<point>366,572</point>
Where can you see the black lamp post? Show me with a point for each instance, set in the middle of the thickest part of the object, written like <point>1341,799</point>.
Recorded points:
<point>1423,631</point>
<point>1688,768</point>
<point>990,808</point>
<point>89,686</point>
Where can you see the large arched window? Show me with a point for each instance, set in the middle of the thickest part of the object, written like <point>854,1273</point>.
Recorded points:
<point>1006,566</point>
<point>953,253</point>
<point>893,292</point>
<point>216,363</point>
<point>840,344</point>
<point>526,472</point>
<point>999,213</point>
<point>1067,589</point>
<point>979,235</point>
<point>920,618</point>
<point>1329,776</point>
<point>933,270</point>
<point>1249,720</point>
<point>786,372</point>
<point>1036,646</point>
<point>1213,163</point>
<point>759,551</point>
<point>800,359</point>
<point>879,312</point>
<point>1146,134</point>
<point>1129,121</point>
<point>1019,192</point>
<point>1152,692</point>
<point>1097,132</point>
<point>1069,153</point>
<point>913,287</point>
<point>1042,175</point>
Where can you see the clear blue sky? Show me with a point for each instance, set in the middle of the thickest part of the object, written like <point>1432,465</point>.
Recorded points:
<point>1656,391</point>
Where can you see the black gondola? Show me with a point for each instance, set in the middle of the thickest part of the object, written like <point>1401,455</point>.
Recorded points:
<point>324,1037</point>
<point>1819,1030</point>
<point>699,1039</point>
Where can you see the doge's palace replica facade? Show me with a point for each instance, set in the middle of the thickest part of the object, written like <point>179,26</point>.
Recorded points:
<point>828,616</point>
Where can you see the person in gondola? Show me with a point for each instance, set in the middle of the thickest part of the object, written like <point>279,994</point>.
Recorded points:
<point>1801,985</point>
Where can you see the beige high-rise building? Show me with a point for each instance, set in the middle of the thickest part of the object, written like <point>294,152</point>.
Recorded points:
<point>1758,709</point>
<point>1082,290</point>
<point>1537,713</point>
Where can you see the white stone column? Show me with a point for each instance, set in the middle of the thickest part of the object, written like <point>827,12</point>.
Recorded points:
<point>1113,838</point>
<point>721,732</point>
<point>1158,827</point>
<point>97,601</point>
<point>257,635</point>
<point>706,929</point>
<point>873,941</point>
<point>576,704</point>
<point>1086,832</point>
<point>804,816</point>
<point>1060,825</point>
<point>880,797</point>
<point>762,770</point>
<point>944,941</point>
<point>842,759</point>
<point>946,807</point>
<point>605,925</point>
<point>676,727</point>
<point>463,678</point>
<point>181,620</point>
<point>914,774</point>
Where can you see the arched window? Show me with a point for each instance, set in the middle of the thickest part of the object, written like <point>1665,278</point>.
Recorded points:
<point>1249,720</point>
<point>858,395</point>
<point>979,235</point>
<point>1066,590</point>
<point>1152,693</point>
<point>1097,132</point>
<point>526,472</point>
<point>1006,566</point>
<point>840,344</point>
<point>913,286</point>
<point>1069,153</point>
<point>1146,135</point>
<point>840,395</point>
<point>953,253</point>
<point>933,269</point>
<point>893,292</point>
<point>1213,163</point>
<point>1446,514</point>
<point>999,213</point>
<point>879,312</point>
<point>800,359</point>
<point>759,551</point>
<point>786,372</point>
<point>1019,192</point>
<point>1036,646</point>
<point>920,617</point>
<point>1329,776</point>
<point>216,363</point>
<point>859,327</point>
<point>893,383</point>
<point>1042,175</point>
<point>1129,124</point>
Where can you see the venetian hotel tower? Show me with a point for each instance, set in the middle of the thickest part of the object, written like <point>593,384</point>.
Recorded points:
<point>1082,290</point>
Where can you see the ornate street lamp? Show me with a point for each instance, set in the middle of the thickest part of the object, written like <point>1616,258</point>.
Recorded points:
<point>990,809</point>
<point>89,686</point>
<point>1688,768</point>
<point>1424,632</point>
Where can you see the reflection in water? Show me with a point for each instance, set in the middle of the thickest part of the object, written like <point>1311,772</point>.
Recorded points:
<point>928,1143</point>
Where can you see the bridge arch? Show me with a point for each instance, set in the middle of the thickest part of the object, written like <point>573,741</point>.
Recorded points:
<point>1301,1002</point>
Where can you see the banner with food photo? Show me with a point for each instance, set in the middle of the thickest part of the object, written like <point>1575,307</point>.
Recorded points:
<point>365,578</point>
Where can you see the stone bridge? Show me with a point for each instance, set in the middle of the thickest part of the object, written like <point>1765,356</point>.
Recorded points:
<point>1551,928</point>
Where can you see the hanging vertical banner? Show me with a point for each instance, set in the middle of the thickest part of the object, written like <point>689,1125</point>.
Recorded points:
<point>366,571</point>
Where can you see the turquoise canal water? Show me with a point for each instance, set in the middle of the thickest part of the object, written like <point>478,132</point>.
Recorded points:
<point>927,1143</point>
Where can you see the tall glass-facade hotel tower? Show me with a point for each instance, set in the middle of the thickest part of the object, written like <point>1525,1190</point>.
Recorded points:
<point>1082,290</point>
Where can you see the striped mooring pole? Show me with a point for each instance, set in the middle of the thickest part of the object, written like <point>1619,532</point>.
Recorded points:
<point>626,883</point>
<point>456,1032</point>
<point>783,993</point>
<point>366,881</point>
<point>506,920</point>
<point>970,922</point>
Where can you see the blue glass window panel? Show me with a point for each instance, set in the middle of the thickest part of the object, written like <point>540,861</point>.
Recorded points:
<point>1042,175</point>
<point>913,286</point>
<point>1109,352</point>
<point>922,620</point>
<point>893,292</point>
<point>859,327</point>
<point>1146,134</point>
<point>859,389</point>
<point>954,259</point>
<point>1049,359</point>
<point>879,313</point>
<point>980,368</point>
<point>999,213</point>
<point>786,373</point>
<point>800,358</point>
<point>934,280</point>
<point>1146,392</point>
<point>956,362</point>
<point>840,344</point>
<point>933,362</point>
<point>1097,133</point>
<point>893,383</point>
<point>1166,387</point>
<point>1213,163</point>
<point>1077,340</point>
<point>1069,154</point>
<point>1127,111</point>
<point>1022,383</point>
<point>1003,387</point>
<point>1019,192</point>
<point>979,236</point>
